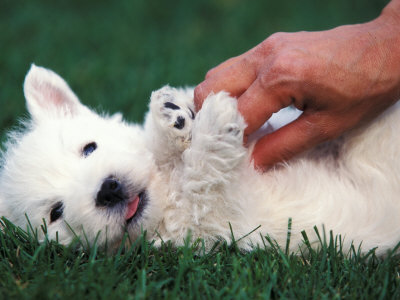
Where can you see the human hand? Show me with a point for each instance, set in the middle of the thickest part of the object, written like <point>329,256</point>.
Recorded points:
<point>339,78</point>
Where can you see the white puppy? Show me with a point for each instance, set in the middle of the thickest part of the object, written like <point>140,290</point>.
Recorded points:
<point>95,175</point>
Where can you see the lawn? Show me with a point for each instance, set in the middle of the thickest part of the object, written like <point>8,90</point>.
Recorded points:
<point>29,269</point>
<point>113,54</point>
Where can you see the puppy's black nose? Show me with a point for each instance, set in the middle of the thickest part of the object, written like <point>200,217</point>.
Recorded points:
<point>111,193</point>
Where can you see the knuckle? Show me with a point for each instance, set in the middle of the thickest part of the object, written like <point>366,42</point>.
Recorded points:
<point>274,41</point>
<point>278,36</point>
<point>248,62</point>
<point>290,67</point>
<point>279,73</point>
<point>265,80</point>
<point>284,63</point>
<point>287,55</point>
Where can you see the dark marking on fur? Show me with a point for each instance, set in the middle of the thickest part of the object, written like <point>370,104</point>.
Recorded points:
<point>234,130</point>
<point>191,111</point>
<point>180,122</point>
<point>171,105</point>
<point>56,211</point>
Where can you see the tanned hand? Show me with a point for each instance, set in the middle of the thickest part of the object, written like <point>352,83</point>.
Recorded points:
<point>339,78</point>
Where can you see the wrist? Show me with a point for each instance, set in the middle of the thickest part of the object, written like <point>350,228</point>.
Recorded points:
<point>382,37</point>
<point>385,29</point>
<point>391,14</point>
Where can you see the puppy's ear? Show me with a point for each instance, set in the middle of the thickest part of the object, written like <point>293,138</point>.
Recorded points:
<point>48,95</point>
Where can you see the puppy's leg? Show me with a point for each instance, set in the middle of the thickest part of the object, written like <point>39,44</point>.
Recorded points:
<point>212,163</point>
<point>169,124</point>
<point>210,167</point>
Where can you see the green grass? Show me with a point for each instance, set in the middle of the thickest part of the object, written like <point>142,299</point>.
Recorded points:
<point>29,269</point>
<point>114,54</point>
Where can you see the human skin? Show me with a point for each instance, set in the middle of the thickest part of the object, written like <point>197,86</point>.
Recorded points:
<point>340,79</point>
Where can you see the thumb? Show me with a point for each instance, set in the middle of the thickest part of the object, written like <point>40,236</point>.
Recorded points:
<point>294,138</point>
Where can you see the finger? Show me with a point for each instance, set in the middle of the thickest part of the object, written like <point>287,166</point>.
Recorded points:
<point>222,66</point>
<point>290,140</point>
<point>235,80</point>
<point>258,103</point>
<point>229,62</point>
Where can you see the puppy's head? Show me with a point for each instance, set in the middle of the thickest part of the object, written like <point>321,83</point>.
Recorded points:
<point>83,174</point>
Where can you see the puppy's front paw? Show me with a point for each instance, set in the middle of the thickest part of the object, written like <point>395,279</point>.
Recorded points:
<point>173,114</point>
<point>220,118</point>
<point>217,148</point>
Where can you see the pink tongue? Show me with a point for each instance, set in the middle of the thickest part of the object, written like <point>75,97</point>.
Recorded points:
<point>132,208</point>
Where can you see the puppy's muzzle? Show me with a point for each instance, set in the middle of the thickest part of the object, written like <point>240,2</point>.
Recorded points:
<point>111,193</point>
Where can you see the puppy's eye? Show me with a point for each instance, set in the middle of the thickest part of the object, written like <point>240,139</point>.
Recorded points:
<point>89,149</point>
<point>56,211</point>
